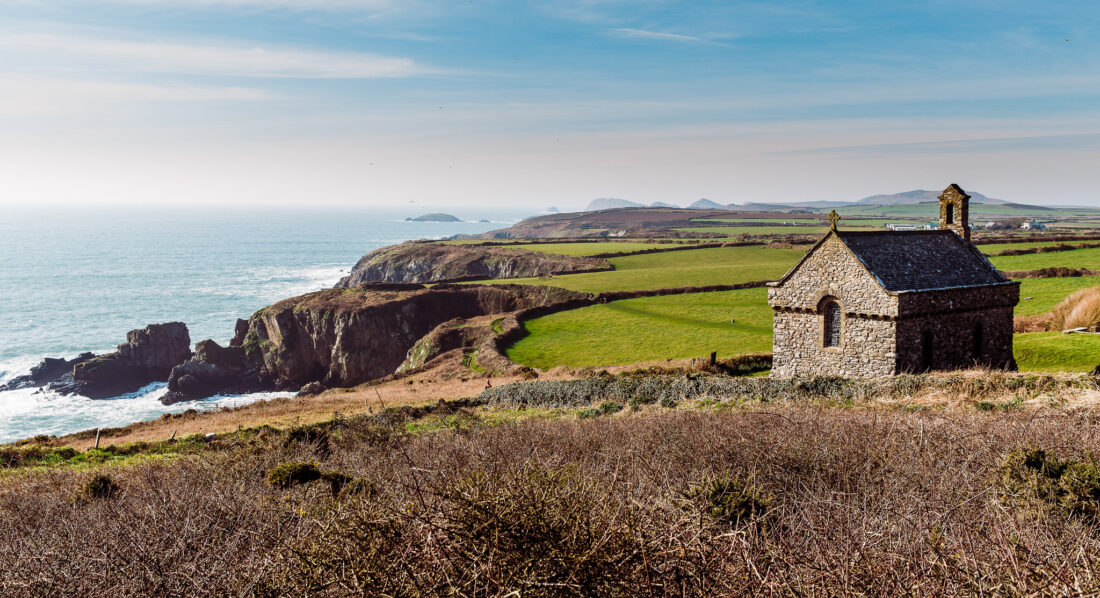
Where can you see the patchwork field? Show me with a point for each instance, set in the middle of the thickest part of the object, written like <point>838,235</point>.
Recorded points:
<point>693,267</point>
<point>649,329</point>
<point>1077,258</point>
<point>992,248</point>
<point>587,249</point>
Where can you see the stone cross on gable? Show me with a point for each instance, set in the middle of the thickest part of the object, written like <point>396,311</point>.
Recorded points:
<point>833,219</point>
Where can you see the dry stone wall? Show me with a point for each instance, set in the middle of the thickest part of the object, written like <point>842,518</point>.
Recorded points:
<point>867,347</point>
<point>956,341</point>
<point>833,271</point>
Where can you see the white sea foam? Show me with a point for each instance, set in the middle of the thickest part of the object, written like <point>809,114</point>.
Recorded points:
<point>29,412</point>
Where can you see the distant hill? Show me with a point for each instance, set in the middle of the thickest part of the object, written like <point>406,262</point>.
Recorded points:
<point>706,204</point>
<point>612,203</point>
<point>920,196</point>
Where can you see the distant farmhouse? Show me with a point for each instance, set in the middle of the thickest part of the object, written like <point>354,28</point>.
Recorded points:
<point>879,303</point>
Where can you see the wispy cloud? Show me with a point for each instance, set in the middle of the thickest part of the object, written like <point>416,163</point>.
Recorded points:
<point>1082,141</point>
<point>663,36</point>
<point>303,5</point>
<point>55,97</point>
<point>69,52</point>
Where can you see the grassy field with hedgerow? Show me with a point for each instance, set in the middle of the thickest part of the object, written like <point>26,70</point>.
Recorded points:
<point>692,325</point>
<point>649,329</point>
<point>692,267</point>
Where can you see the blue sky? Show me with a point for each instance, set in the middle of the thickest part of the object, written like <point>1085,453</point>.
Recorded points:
<point>379,102</point>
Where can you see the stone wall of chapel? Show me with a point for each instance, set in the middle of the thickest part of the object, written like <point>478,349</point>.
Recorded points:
<point>832,270</point>
<point>955,300</point>
<point>868,347</point>
<point>953,340</point>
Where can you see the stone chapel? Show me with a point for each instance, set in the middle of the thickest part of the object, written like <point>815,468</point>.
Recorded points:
<point>879,303</point>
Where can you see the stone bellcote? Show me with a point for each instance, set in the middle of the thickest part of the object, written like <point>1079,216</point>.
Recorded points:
<point>955,211</point>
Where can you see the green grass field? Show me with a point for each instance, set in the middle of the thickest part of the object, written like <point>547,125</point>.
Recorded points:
<point>1039,295</point>
<point>586,249</point>
<point>649,329</point>
<point>768,220</point>
<point>733,231</point>
<point>685,326</point>
<point>997,247</point>
<point>692,267</point>
<point>1077,258</point>
<point>1057,352</point>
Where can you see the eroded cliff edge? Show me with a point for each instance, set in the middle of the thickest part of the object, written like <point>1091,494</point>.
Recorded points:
<point>341,337</point>
<point>419,262</point>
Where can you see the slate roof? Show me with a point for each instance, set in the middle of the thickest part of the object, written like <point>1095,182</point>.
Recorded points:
<point>921,260</point>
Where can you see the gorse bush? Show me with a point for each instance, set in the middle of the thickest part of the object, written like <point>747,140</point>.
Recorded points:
<point>544,532</point>
<point>644,389</point>
<point>289,475</point>
<point>1035,476</point>
<point>727,499</point>
<point>98,487</point>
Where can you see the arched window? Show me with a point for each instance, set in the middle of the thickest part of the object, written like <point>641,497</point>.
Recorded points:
<point>832,323</point>
<point>979,342</point>
<point>950,213</point>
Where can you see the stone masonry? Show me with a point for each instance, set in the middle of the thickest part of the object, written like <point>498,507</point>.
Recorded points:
<point>909,301</point>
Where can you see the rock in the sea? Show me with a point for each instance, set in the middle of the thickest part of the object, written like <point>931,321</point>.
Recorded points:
<point>48,371</point>
<point>438,217</point>
<point>418,262</point>
<point>215,370</point>
<point>148,355</point>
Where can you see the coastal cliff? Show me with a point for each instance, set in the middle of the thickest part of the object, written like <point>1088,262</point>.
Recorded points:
<point>341,337</point>
<point>419,262</point>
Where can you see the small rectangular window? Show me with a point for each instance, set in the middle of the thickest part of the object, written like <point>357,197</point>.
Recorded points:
<point>832,324</point>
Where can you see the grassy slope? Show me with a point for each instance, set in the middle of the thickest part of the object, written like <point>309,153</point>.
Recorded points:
<point>1045,293</point>
<point>649,329</point>
<point>694,267</point>
<point>1077,258</point>
<point>1057,352</point>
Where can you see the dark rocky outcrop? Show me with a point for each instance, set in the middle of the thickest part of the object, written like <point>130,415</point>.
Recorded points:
<point>46,372</point>
<point>147,356</point>
<point>341,337</point>
<point>344,337</point>
<point>216,370</point>
<point>417,262</point>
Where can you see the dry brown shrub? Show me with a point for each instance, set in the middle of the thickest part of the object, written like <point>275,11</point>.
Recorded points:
<point>1080,309</point>
<point>859,502</point>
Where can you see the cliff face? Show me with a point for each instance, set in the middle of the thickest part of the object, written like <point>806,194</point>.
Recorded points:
<point>346,337</point>
<point>341,337</point>
<point>417,262</point>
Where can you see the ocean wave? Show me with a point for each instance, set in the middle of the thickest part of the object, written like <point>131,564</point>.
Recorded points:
<point>29,412</point>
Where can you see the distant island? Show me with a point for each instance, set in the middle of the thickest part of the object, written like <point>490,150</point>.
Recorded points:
<point>434,218</point>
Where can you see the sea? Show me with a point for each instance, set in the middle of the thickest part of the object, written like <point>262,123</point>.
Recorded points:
<point>78,278</point>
